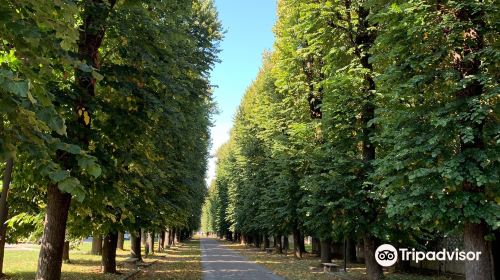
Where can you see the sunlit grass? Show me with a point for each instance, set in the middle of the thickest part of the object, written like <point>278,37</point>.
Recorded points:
<point>21,262</point>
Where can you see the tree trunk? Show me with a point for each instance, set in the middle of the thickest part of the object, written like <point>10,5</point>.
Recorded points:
<point>302,243</point>
<point>365,38</point>
<point>279,245</point>
<point>267,243</point>
<point>468,64</point>
<point>161,241</point>
<point>4,209</point>
<point>243,239</point>
<point>373,269</point>
<point>151,242</point>
<point>178,236</point>
<point>249,239</point>
<point>96,244</point>
<point>474,242</point>
<point>50,257</point>
<point>257,240</point>
<point>316,246</point>
<point>286,244</point>
<point>91,35</point>
<point>326,252</point>
<point>495,252</point>
<point>351,250</point>
<point>296,244</point>
<point>109,252</point>
<point>121,240</point>
<point>66,252</point>
<point>144,242</point>
<point>168,238</point>
<point>135,245</point>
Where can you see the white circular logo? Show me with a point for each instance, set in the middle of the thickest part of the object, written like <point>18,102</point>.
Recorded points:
<point>386,255</point>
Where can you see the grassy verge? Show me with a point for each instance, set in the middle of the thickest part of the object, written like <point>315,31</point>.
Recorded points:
<point>308,268</point>
<point>182,263</point>
<point>21,262</point>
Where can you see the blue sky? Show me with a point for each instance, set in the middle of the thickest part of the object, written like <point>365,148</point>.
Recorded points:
<point>248,26</point>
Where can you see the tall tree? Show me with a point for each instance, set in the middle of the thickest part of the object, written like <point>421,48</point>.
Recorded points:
<point>92,31</point>
<point>441,90</point>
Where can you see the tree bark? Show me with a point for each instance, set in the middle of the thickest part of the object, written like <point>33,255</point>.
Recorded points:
<point>302,243</point>
<point>109,252</point>
<point>135,245</point>
<point>168,238</point>
<point>267,243</point>
<point>144,242</point>
<point>66,252</point>
<point>351,250</point>
<point>296,244</point>
<point>279,245</point>
<point>256,240</point>
<point>50,257</point>
<point>173,236</point>
<point>326,252</point>
<point>96,244</point>
<point>161,241</point>
<point>495,251</point>
<point>474,242</point>
<point>286,244</point>
<point>4,209</point>
<point>151,242</point>
<point>178,238</point>
<point>121,240</point>
<point>316,246</point>
<point>373,269</point>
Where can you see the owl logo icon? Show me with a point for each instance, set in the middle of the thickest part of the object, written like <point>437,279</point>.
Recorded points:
<point>386,255</point>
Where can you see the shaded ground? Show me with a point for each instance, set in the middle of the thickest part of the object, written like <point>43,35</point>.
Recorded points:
<point>222,263</point>
<point>178,262</point>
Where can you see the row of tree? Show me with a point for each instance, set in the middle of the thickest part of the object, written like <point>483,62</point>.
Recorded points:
<point>105,107</point>
<point>371,121</point>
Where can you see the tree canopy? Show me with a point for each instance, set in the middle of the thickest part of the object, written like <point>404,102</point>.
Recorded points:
<point>369,120</point>
<point>106,107</point>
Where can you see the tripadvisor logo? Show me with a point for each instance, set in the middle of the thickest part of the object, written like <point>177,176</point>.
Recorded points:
<point>387,255</point>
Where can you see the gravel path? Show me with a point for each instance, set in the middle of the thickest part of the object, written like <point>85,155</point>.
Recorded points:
<point>221,263</point>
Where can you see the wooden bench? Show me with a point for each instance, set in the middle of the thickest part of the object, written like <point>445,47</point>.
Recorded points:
<point>330,267</point>
<point>269,250</point>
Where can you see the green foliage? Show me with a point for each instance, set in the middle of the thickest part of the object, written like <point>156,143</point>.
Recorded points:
<point>368,118</point>
<point>440,142</point>
<point>140,159</point>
